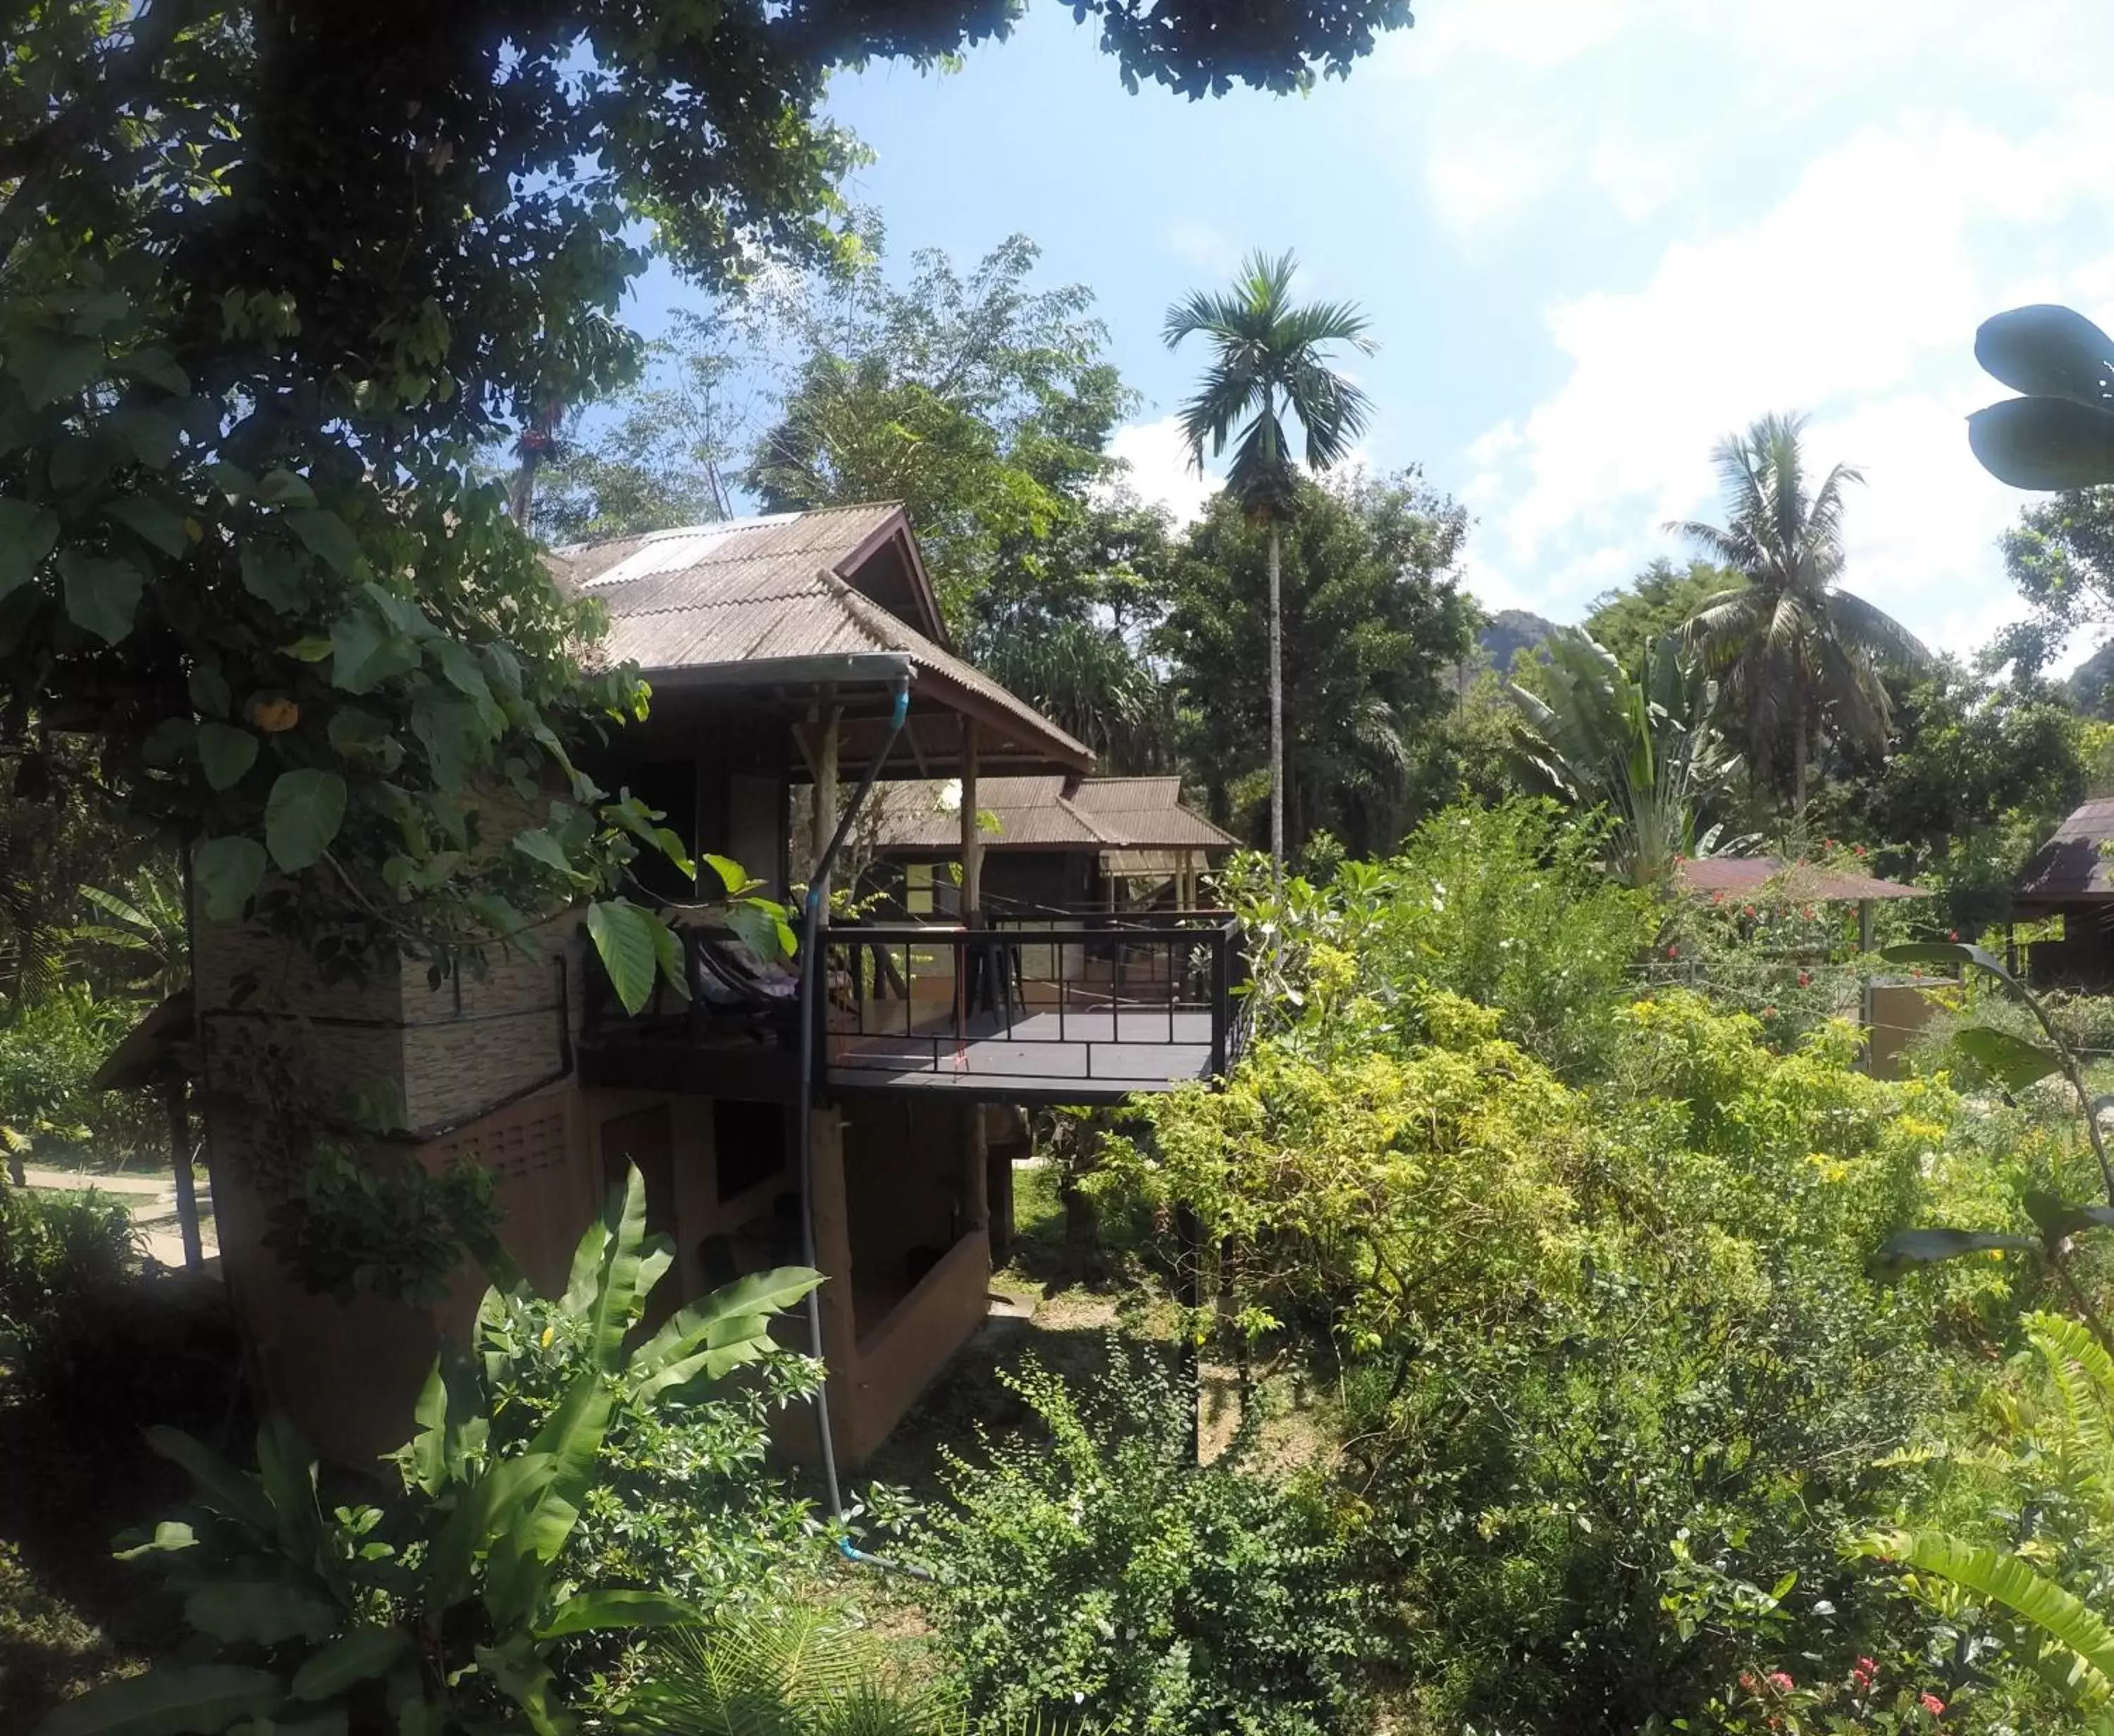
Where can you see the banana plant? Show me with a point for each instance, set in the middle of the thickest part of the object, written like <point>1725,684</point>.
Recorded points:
<point>1641,745</point>
<point>2017,1063</point>
<point>441,1609</point>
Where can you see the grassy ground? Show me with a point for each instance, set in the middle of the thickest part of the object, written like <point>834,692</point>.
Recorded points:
<point>1078,1298</point>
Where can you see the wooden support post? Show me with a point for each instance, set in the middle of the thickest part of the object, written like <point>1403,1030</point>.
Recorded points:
<point>823,822</point>
<point>1865,1000</point>
<point>977,969</point>
<point>833,1257</point>
<point>173,1090</point>
<point>973,837</point>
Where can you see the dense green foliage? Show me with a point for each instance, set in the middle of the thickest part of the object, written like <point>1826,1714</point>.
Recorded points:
<point>1617,1382</point>
<point>1638,742</point>
<point>1092,1572</point>
<point>795,1672</point>
<point>48,1053</point>
<point>1663,598</point>
<point>454,1601</point>
<point>1373,620</point>
<point>981,405</point>
<point>64,1258</point>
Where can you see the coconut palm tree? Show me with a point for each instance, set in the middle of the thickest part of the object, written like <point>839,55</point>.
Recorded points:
<point>1642,747</point>
<point>1788,645</point>
<point>1270,360</point>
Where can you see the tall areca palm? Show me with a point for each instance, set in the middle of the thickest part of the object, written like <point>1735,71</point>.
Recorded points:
<point>1270,362</point>
<point>1789,645</point>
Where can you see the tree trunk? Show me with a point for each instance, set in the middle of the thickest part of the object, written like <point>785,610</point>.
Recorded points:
<point>1276,712</point>
<point>1798,743</point>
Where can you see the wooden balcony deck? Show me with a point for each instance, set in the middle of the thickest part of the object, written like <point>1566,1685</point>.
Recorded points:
<point>1087,1013</point>
<point>1035,1057</point>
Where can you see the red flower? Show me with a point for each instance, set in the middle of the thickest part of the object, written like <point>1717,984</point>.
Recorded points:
<point>1865,1672</point>
<point>1782,1683</point>
<point>1748,911</point>
<point>1673,951</point>
<point>1932,1704</point>
<point>1803,978</point>
<point>1860,849</point>
<point>1717,897</point>
<point>1952,933</point>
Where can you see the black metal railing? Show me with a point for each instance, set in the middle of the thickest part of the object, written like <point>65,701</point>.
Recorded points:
<point>1113,1000</point>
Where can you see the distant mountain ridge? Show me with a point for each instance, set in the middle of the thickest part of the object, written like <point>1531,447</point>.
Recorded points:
<point>1509,631</point>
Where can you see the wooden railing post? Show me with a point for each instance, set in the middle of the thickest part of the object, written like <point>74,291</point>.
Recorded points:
<point>1222,1000</point>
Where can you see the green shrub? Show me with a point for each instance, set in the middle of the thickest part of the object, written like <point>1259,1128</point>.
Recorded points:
<point>65,1259</point>
<point>1366,1187</point>
<point>1613,1510</point>
<point>1506,907</point>
<point>49,1051</point>
<point>1094,1575</point>
<point>457,1600</point>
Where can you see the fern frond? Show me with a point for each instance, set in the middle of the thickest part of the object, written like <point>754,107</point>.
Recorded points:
<point>1999,1578</point>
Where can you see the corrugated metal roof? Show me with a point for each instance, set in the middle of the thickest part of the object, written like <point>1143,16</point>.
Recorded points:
<point>795,544</point>
<point>1036,813</point>
<point>2070,865</point>
<point>1748,874</point>
<point>763,590</point>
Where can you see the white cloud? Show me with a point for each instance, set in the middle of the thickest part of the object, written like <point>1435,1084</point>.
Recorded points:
<point>1853,297</point>
<point>1159,470</point>
<point>1627,106</point>
<point>1204,247</point>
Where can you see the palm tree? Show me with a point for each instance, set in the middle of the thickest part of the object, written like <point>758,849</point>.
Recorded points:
<point>1270,360</point>
<point>1789,645</point>
<point>1642,747</point>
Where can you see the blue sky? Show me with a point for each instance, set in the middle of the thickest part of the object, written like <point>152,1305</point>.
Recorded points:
<point>1591,236</point>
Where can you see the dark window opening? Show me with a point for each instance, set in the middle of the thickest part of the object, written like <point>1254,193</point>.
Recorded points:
<point>748,1144</point>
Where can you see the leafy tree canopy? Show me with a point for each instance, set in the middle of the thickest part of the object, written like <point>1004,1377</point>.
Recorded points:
<point>2060,556</point>
<point>273,272</point>
<point>1662,598</point>
<point>985,406</point>
<point>1375,622</point>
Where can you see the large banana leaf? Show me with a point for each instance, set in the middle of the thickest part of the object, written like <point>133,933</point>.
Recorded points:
<point>287,1468</point>
<point>171,1700</point>
<point>518,1566</point>
<point>613,1268</point>
<point>2044,443</point>
<point>595,1612</point>
<point>483,1511</point>
<point>265,1610</point>
<point>2014,1060</point>
<point>718,1333</point>
<point>350,1659</point>
<point>2002,1579</point>
<point>232,1493</point>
